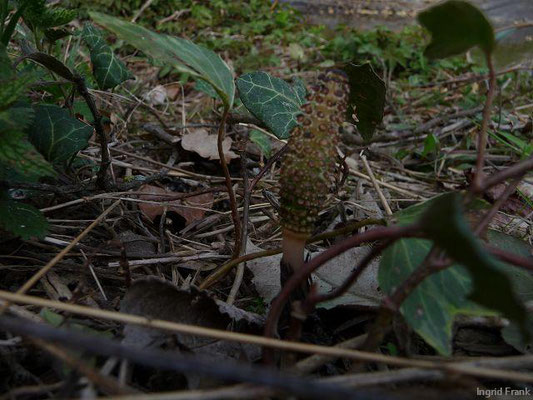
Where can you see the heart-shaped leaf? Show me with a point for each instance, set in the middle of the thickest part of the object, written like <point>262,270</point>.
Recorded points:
<point>460,244</point>
<point>272,100</point>
<point>367,97</point>
<point>22,219</point>
<point>431,308</point>
<point>108,70</point>
<point>522,283</point>
<point>182,54</point>
<point>455,27</point>
<point>56,134</point>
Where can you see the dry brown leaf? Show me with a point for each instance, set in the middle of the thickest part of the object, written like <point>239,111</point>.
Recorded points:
<point>201,142</point>
<point>191,208</point>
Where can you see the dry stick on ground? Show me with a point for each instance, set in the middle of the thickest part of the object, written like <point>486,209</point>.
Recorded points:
<point>44,270</point>
<point>376,185</point>
<point>261,340</point>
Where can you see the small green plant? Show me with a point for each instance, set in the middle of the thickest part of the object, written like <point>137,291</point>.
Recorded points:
<point>40,140</point>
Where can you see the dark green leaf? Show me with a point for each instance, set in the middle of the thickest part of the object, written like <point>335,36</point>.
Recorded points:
<point>455,27</point>
<point>272,100</point>
<point>37,14</point>
<point>56,134</point>
<point>53,64</point>
<point>298,85</point>
<point>522,283</point>
<point>432,306</point>
<point>182,54</point>
<point>430,144</point>
<point>20,155</point>
<point>55,34</point>
<point>205,87</point>
<point>461,245</point>
<point>108,70</point>
<point>367,95</point>
<point>10,28</point>
<point>262,141</point>
<point>22,219</point>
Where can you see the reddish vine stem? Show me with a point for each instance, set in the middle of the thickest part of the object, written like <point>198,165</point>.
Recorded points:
<point>391,304</point>
<point>487,218</point>
<point>431,265</point>
<point>517,170</point>
<point>511,258</point>
<point>301,309</point>
<point>267,166</point>
<point>105,161</point>
<point>314,299</point>
<point>482,137</point>
<point>229,187</point>
<point>302,274</point>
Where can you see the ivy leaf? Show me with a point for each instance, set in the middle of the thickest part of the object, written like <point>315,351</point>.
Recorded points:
<point>108,70</point>
<point>431,308</point>
<point>182,54</point>
<point>522,283</point>
<point>455,27</point>
<point>272,100</point>
<point>298,85</point>
<point>13,86</point>
<point>56,134</point>
<point>18,154</point>
<point>22,219</point>
<point>367,96</point>
<point>460,244</point>
<point>37,14</point>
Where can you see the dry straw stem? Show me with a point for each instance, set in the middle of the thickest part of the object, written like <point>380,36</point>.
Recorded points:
<point>44,270</point>
<point>263,341</point>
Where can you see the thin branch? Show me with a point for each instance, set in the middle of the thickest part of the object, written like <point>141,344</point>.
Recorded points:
<point>482,136</point>
<point>517,170</point>
<point>105,162</point>
<point>511,258</point>
<point>301,275</point>
<point>483,224</point>
<point>227,176</point>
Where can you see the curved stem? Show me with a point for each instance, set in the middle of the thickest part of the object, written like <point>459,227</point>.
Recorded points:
<point>303,273</point>
<point>231,193</point>
<point>224,269</point>
<point>482,137</point>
